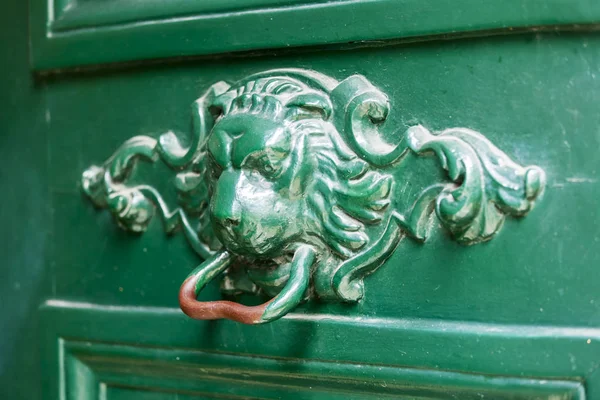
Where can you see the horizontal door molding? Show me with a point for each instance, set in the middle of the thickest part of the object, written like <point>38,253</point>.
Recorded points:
<point>118,371</point>
<point>93,349</point>
<point>68,33</point>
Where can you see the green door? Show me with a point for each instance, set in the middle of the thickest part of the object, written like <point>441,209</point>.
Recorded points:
<point>300,200</point>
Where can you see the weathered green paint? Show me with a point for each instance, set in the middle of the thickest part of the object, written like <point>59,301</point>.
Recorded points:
<point>517,316</point>
<point>289,162</point>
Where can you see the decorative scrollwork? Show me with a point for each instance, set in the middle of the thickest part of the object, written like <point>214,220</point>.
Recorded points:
<point>491,184</point>
<point>285,187</point>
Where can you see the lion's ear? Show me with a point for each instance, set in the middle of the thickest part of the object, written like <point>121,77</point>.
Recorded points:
<point>359,111</point>
<point>309,105</point>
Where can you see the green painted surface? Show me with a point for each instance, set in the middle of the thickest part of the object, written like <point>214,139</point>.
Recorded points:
<point>524,305</point>
<point>130,30</point>
<point>323,370</point>
<point>289,183</point>
<point>26,212</point>
<point>73,14</point>
<point>555,126</point>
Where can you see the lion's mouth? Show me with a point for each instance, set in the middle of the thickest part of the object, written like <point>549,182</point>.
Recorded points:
<point>227,236</point>
<point>244,242</point>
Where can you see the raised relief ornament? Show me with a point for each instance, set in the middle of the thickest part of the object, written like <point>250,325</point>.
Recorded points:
<point>288,187</point>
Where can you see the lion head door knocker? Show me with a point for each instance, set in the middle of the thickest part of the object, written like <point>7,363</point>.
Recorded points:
<point>285,187</point>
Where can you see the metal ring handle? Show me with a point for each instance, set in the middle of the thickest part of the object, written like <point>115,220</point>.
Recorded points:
<point>289,297</point>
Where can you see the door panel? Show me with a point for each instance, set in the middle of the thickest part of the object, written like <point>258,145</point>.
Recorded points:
<point>126,351</point>
<point>91,311</point>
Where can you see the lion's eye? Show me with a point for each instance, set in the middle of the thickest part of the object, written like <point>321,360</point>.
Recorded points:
<point>264,165</point>
<point>267,168</point>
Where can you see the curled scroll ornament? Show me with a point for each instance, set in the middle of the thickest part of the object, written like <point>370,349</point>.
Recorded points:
<point>284,188</point>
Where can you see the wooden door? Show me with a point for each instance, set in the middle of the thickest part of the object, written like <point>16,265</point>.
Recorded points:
<point>500,301</point>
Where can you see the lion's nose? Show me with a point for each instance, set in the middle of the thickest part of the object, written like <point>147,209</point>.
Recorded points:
<point>226,209</point>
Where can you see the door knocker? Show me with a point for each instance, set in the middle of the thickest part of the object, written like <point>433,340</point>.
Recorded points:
<point>285,187</point>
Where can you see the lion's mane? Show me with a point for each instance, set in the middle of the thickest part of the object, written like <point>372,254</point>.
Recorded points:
<point>344,194</point>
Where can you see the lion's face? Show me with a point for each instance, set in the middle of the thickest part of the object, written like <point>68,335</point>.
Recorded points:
<point>254,208</point>
<point>283,176</point>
